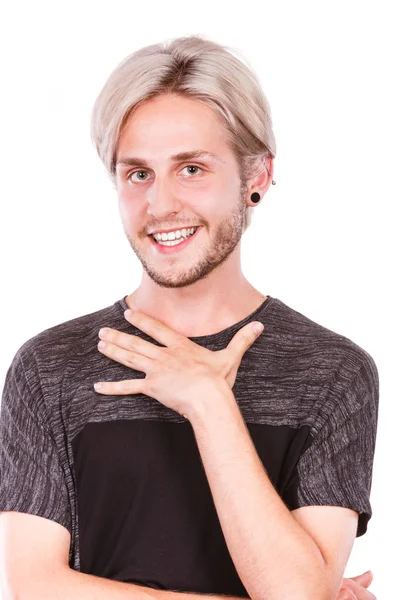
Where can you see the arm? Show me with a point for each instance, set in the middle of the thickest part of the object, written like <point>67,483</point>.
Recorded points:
<point>275,557</point>
<point>67,584</point>
<point>34,555</point>
<point>276,554</point>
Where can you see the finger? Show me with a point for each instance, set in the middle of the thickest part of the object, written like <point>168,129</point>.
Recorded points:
<point>129,342</point>
<point>360,592</point>
<point>243,339</point>
<point>346,595</point>
<point>120,388</point>
<point>365,579</point>
<point>156,329</point>
<point>130,359</point>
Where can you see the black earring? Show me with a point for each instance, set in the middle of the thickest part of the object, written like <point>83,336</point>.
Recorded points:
<point>255,197</point>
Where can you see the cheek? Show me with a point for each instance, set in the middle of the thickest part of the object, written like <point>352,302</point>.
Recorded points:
<point>124,207</point>
<point>129,210</point>
<point>213,204</point>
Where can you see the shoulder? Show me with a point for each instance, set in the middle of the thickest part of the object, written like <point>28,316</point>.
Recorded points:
<point>323,376</point>
<point>45,357</point>
<point>57,339</point>
<point>316,344</point>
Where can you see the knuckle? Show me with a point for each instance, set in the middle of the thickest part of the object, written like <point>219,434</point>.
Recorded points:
<point>125,386</point>
<point>181,346</point>
<point>224,362</point>
<point>225,367</point>
<point>131,359</point>
<point>132,343</point>
<point>138,320</point>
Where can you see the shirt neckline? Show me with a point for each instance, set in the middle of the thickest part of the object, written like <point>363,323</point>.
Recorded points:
<point>269,300</point>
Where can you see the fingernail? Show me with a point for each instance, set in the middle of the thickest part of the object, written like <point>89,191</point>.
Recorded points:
<point>128,312</point>
<point>258,327</point>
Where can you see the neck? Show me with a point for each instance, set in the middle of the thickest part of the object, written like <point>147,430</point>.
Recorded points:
<point>203,308</point>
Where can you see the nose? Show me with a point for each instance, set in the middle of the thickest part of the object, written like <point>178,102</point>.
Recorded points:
<point>162,200</point>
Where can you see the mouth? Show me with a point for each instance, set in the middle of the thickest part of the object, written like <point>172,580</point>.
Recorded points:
<point>173,246</point>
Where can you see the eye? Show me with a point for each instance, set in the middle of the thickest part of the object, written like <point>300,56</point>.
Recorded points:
<point>134,172</point>
<point>193,167</point>
<point>129,176</point>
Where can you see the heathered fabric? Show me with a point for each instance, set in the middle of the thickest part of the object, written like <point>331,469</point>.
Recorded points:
<point>123,473</point>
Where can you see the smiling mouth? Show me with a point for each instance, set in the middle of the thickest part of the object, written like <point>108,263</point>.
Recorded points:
<point>176,241</point>
<point>170,247</point>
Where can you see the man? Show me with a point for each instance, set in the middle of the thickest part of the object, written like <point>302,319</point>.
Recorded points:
<point>213,459</point>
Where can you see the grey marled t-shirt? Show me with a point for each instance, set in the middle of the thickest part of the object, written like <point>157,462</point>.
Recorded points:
<point>123,473</point>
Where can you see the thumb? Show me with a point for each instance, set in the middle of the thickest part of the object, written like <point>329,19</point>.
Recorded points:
<point>244,338</point>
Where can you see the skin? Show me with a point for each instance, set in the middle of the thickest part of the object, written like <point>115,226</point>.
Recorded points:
<point>206,275</point>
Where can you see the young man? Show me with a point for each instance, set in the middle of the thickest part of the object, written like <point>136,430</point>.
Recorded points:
<point>213,459</point>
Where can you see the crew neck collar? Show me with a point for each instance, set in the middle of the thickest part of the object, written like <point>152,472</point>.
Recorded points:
<point>255,315</point>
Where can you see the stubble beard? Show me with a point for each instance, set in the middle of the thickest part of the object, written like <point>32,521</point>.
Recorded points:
<point>205,259</point>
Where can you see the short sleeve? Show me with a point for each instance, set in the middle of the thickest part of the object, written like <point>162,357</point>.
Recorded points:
<point>31,478</point>
<point>336,469</point>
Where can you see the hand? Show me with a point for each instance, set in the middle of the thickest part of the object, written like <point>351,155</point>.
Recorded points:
<point>355,588</point>
<point>178,375</point>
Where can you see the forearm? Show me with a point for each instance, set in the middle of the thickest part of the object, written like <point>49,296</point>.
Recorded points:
<point>68,584</point>
<point>275,558</point>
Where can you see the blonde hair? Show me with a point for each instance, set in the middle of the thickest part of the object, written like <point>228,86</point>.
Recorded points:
<point>198,68</point>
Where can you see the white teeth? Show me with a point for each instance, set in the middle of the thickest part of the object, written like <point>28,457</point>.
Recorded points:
<point>175,242</point>
<point>173,235</point>
<point>170,242</point>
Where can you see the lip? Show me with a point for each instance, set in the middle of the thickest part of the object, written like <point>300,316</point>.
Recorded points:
<point>173,249</point>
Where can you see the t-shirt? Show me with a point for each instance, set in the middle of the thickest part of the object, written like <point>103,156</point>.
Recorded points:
<point>124,474</point>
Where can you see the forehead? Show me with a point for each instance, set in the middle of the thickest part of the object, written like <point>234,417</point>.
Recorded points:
<point>165,125</point>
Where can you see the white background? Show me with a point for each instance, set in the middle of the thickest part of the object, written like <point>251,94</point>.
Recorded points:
<point>324,239</point>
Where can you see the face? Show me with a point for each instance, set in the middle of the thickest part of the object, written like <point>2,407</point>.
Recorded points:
<point>156,192</point>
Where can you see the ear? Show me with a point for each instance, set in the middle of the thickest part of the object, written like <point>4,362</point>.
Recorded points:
<point>261,182</point>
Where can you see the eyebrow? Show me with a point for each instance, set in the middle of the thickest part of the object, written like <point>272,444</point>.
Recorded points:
<point>134,160</point>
